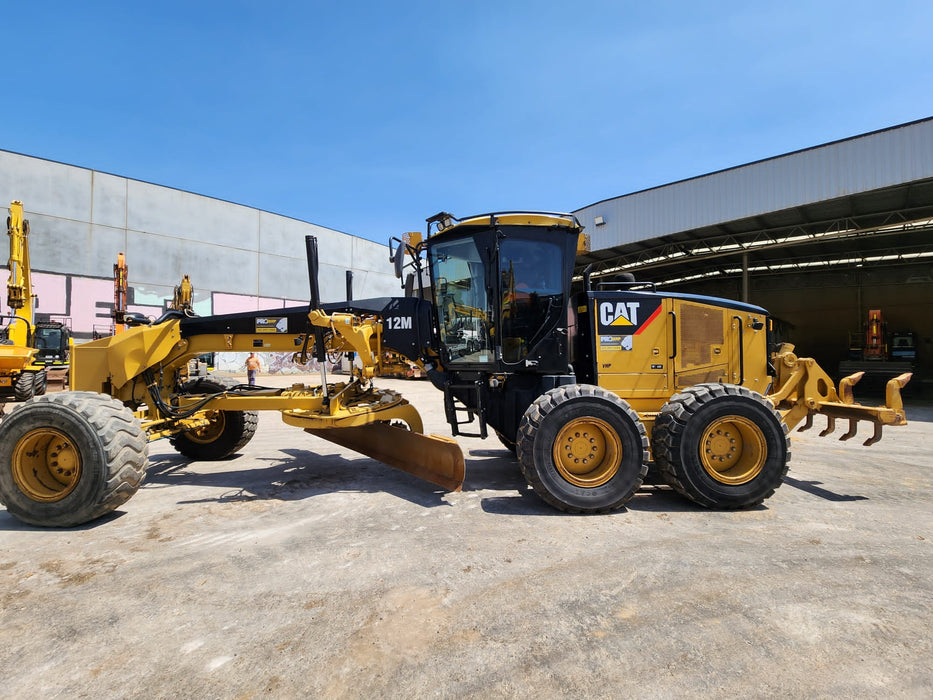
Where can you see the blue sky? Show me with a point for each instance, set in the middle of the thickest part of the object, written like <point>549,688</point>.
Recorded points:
<point>368,117</point>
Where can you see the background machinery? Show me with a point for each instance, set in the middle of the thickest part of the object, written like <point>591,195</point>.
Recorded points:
<point>52,340</point>
<point>26,347</point>
<point>879,354</point>
<point>120,289</point>
<point>584,381</point>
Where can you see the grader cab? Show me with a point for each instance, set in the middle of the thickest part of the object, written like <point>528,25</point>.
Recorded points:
<point>583,386</point>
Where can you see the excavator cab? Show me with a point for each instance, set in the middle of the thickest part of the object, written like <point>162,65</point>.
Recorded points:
<point>51,342</point>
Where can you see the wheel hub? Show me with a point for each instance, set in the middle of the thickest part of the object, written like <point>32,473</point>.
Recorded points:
<point>587,452</point>
<point>733,450</point>
<point>209,433</point>
<point>46,465</point>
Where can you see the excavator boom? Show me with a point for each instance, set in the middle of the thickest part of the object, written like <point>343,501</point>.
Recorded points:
<point>19,285</point>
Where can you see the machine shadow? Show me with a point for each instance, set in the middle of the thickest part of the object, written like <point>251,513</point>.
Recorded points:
<point>303,474</point>
<point>498,469</point>
<point>300,474</point>
<point>297,474</point>
<point>813,488</point>
<point>10,524</point>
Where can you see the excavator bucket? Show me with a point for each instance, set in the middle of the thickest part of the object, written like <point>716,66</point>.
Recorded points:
<point>433,458</point>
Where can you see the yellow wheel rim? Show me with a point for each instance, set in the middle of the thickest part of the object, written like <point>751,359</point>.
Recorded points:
<point>210,432</point>
<point>733,450</point>
<point>587,452</point>
<point>46,465</point>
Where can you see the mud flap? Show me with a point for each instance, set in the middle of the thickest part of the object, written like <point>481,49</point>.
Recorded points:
<point>433,458</point>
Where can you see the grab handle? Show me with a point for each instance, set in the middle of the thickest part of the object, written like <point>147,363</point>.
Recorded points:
<point>673,333</point>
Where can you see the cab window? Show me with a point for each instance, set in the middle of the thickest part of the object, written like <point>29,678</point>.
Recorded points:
<point>461,300</point>
<point>530,278</point>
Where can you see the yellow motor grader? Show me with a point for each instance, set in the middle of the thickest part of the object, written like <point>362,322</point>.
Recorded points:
<point>585,386</point>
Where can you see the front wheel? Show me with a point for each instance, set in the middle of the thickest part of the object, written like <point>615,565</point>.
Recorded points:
<point>40,382</point>
<point>24,386</point>
<point>721,445</point>
<point>70,457</point>
<point>582,449</point>
<point>226,431</point>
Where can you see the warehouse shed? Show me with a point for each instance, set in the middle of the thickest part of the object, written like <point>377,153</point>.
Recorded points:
<point>819,237</point>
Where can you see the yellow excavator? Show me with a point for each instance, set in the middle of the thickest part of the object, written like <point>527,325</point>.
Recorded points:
<point>589,386</point>
<point>22,373</point>
<point>120,289</point>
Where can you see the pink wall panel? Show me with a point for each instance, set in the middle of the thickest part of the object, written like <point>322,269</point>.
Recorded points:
<point>88,301</point>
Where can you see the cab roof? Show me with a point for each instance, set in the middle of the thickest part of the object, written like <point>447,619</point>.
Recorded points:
<point>447,222</point>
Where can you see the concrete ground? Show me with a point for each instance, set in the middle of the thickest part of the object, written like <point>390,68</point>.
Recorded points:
<point>299,569</point>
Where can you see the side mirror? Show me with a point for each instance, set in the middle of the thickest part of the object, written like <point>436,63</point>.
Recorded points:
<point>399,259</point>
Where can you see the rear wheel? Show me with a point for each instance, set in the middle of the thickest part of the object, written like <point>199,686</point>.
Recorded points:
<point>24,386</point>
<point>226,432</point>
<point>70,457</point>
<point>582,449</point>
<point>721,445</point>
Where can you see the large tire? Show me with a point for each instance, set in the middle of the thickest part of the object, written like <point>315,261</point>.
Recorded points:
<point>70,457</point>
<point>24,386</point>
<point>228,432</point>
<point>582,449</point>
<point>41,382</point>
<point>721,446</point>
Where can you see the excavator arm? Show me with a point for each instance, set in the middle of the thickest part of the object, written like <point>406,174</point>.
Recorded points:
<point>19,285</point>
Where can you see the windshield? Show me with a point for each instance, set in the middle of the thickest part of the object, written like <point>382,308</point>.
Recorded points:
<point>463,311</point>
<point>48,338</point>
<point>530,275</point>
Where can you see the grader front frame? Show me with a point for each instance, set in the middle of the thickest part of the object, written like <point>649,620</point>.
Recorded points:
<point>76,455</point>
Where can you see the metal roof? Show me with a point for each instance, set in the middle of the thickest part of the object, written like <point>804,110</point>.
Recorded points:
<point>869,197</point>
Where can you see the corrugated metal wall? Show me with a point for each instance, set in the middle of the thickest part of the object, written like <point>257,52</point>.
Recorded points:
<point>859,164</point>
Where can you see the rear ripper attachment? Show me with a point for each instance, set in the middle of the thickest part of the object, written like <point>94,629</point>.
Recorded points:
<point>802,389</point>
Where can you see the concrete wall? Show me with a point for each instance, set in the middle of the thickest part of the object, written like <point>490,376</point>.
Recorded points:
<point>239,258</point>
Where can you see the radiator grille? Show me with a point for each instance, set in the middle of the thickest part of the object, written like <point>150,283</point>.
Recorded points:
<point>700,330</point>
